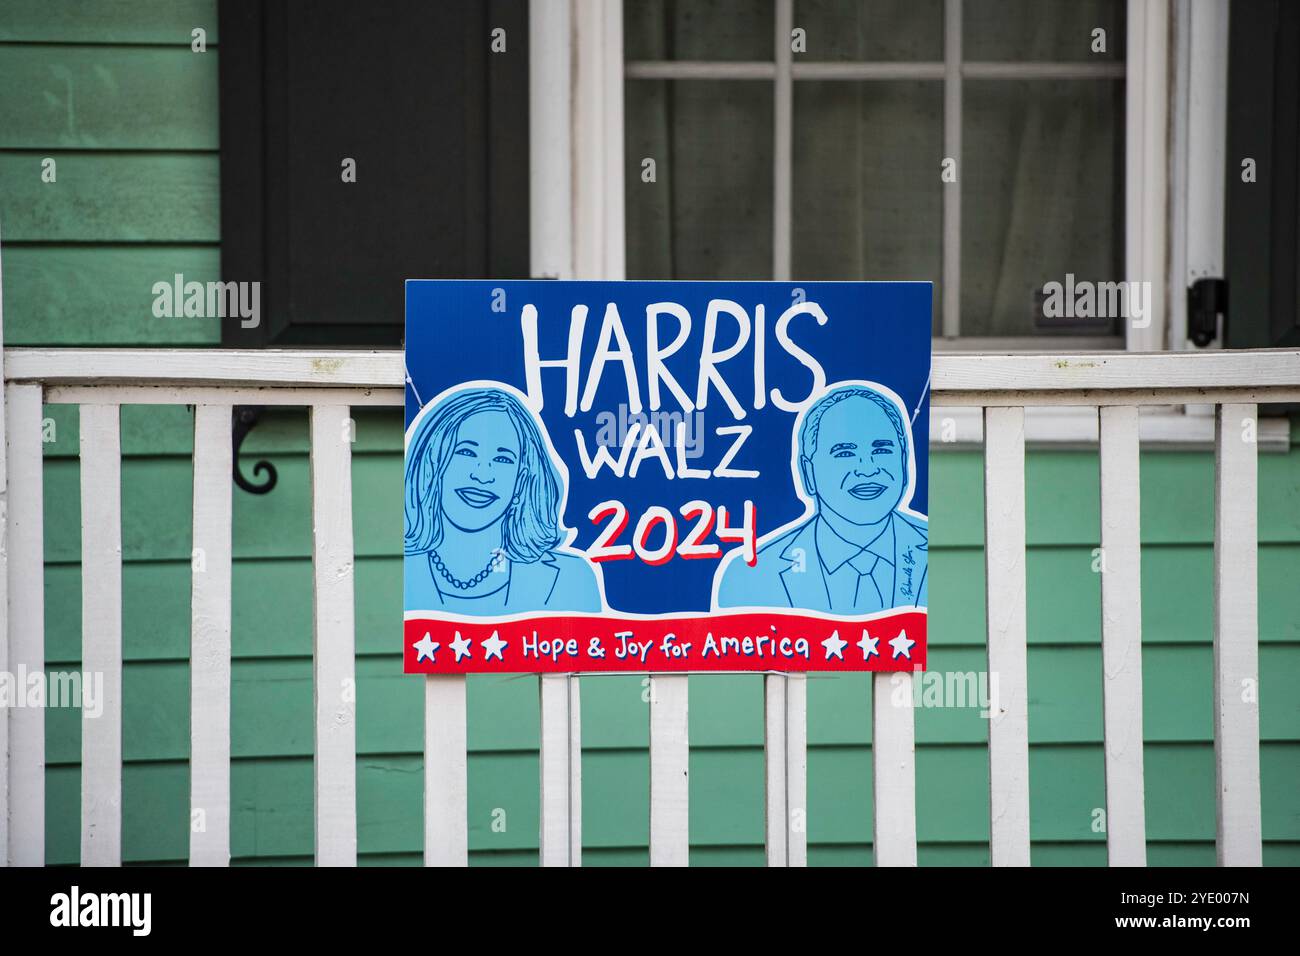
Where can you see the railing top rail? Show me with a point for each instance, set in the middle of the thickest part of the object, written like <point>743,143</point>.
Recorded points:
<point>255,368</point>
<point>1126,378</point>
<point>1086,378</point>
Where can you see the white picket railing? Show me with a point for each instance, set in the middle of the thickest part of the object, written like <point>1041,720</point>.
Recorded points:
<point>330,383</point>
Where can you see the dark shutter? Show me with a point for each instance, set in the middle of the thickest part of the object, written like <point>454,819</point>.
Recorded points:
<point>437,124</point>
<point>1263,217</point>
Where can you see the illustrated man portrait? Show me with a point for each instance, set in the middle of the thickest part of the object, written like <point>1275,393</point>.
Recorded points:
<point>861,549</point>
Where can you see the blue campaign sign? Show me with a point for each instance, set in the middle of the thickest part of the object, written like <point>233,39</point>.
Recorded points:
<point>666,475</point>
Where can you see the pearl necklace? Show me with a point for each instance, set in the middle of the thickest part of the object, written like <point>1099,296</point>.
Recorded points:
<point>494,561</point>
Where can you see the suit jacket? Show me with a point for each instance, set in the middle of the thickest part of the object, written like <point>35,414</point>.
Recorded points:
<point>789,573</point>
<point>554,583</point>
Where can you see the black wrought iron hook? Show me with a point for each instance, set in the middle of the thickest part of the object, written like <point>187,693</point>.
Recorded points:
<point>246,416</point>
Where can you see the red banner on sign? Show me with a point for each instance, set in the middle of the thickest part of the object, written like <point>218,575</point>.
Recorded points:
<point>751,641</point>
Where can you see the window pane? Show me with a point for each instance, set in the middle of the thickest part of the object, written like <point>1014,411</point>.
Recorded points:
<point>698,30</point>
<point>867,198</point>
<point>1059,30</point>
<point>708,214</point>
<point>1042,196</point>
<point>871,30</point>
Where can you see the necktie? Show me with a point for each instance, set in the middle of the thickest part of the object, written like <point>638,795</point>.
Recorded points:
<point>870,594</point>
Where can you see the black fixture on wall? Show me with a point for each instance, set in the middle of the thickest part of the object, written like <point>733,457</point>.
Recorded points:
<point>245,417</point>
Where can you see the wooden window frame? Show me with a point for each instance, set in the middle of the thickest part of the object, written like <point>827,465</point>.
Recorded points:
<point>1171,113</point>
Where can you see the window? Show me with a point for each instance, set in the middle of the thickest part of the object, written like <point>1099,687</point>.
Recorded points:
<point>828,160</point>
<point>1263,208</point>
<point>436,124</point>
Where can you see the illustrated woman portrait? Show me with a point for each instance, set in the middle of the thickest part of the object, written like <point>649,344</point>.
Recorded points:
<point>483,506</point>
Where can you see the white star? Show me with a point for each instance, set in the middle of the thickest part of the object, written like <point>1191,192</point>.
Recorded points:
<point>868,645</point>
<point>834,646</point>
<point>425,647</point>
<point>461,647</point>
<point>902,646</point>
<point>493,646</point>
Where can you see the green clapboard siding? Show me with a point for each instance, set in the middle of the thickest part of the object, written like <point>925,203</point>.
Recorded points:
<point>104,97</point>
<point>167,22</point>
<point>102,294</point>
<point>112,92</point>
<point>111,197</point>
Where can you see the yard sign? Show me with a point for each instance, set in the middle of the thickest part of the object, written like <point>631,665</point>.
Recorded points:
<point>666,476</point>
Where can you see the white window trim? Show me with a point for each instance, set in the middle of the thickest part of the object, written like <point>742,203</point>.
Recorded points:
<point>1146,166</point>
<point>1173,174</point>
